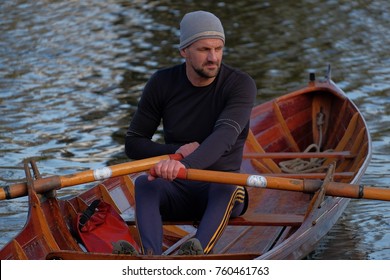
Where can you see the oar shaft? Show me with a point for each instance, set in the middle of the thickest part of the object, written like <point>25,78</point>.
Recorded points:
<point>376,193</point>
<point>242,179</point>
<point>58,182</point>
<point>358,191</point>
<point>309,186</point>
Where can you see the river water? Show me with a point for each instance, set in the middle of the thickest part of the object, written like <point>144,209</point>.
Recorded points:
<point>71,73</point>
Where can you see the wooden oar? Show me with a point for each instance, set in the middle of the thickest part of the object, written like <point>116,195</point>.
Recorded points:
<point>58,182</point>
<point>309,186</point>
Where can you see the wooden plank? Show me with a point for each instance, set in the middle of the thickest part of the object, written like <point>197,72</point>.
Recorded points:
<point>358,144</point>
<point>347,136</point>
<point>71,255</point>
<point>243,239</point>
<point>13,251</point>
<point>260,167</point>
<point>283,155</point>
<point>337,175</point>
<point>285,128</point>
<point>255,219</point>
<point>335,127</point>
<point>252,141</point>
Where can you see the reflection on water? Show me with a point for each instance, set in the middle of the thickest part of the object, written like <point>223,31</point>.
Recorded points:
<point>71,73</point>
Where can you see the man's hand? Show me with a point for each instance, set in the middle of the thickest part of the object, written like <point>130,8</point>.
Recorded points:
<point>187,149</point>
<point>166,169</point>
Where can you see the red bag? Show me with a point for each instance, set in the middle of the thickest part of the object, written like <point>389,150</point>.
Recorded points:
<point>99,226</point>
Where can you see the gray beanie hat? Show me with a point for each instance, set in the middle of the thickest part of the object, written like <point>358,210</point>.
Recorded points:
<point>199,25</point>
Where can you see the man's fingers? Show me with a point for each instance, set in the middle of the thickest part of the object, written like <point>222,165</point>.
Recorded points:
<point>166,169</point>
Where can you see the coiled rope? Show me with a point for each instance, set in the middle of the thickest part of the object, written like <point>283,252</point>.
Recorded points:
<point>299,165</point>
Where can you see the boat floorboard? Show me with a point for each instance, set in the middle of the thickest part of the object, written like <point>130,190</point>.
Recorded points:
<point>239,239</point>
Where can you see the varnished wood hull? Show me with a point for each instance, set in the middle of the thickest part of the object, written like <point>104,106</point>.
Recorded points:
<point>278,224</point>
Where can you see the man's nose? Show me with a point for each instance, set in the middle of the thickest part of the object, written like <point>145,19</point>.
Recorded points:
<point>212,55</point>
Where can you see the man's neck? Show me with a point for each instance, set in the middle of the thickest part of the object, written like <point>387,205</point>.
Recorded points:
<point>197,80</point>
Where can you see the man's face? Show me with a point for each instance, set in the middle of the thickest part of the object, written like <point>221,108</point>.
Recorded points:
<point>204,58</point>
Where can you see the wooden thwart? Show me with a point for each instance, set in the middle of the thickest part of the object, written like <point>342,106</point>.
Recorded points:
<point>337,175</point>
<point>340,154</point>
<point>256,219</point>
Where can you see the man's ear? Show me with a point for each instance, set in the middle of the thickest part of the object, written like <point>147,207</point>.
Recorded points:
<point>183,52</point>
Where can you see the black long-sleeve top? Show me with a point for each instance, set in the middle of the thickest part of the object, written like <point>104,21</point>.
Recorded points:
<point>216,116</point>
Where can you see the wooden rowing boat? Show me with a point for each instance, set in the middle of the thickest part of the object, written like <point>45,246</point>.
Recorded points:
<point>315,133</point>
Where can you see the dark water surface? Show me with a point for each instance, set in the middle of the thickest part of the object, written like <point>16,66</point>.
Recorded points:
<point>71,73</point>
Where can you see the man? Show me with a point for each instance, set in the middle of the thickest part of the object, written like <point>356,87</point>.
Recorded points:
<point>205,107</point>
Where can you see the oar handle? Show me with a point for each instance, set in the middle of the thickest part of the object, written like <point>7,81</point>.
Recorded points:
<point>114,170</point>
<point>58,182</point>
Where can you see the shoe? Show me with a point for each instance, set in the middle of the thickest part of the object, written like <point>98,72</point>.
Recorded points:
<point>191,247</point>
<point>124,247</point>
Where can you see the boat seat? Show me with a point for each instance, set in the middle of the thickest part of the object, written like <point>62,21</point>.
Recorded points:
<point>254,219</point>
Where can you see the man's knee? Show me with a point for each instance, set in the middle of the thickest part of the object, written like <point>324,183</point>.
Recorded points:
<point>145,188</point>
